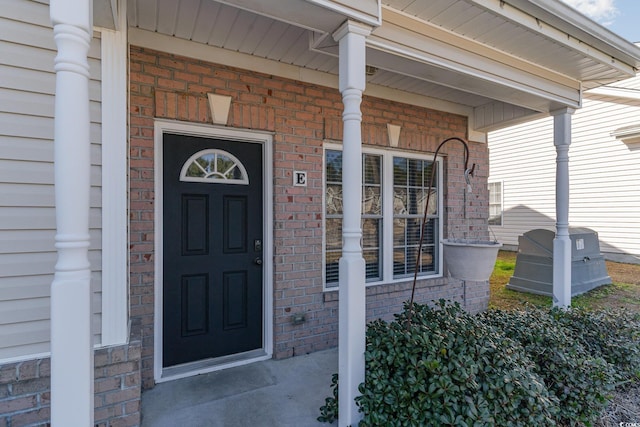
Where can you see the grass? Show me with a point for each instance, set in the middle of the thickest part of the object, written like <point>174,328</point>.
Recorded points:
<point>624,292</point>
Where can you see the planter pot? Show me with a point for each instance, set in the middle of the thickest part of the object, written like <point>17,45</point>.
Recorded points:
<point>470,259</point>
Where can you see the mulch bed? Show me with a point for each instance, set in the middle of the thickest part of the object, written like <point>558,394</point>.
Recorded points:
<point>624,408</point>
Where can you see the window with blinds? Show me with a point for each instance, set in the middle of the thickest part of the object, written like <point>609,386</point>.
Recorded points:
<point>410,189</point>
<point>371,214</point>
<point>394,192</point>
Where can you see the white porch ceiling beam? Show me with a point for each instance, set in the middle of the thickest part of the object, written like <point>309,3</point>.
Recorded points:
<point>472,81</point>
<point>483,70</point>
<point>317,15</point>
<point>536,24</point>
<point>497,115</point>
<point>366,11</point>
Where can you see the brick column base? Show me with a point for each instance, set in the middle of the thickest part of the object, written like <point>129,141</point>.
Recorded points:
<point>25,396</point>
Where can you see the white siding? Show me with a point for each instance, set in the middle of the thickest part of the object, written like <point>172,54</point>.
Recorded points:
<point>604,174</point>
<point>27,205</point>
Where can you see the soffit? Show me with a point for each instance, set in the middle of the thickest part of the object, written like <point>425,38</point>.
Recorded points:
<point>576,47</point>
<point>287,35</point>
<point>235,29</point>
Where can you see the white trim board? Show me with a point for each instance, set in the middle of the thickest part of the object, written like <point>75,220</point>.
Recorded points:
<point>241,135</point>
<point>115,271</point>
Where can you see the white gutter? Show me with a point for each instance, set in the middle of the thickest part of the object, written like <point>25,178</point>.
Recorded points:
<point>571,21</point>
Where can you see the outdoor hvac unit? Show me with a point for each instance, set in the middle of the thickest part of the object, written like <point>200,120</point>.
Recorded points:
<point>534,263</point>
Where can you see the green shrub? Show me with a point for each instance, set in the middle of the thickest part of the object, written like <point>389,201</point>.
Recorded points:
<point>447,368</point>
<point>582,382</point>
<point>613,335</point>
<point>517,368</point>
<point>329,411</point>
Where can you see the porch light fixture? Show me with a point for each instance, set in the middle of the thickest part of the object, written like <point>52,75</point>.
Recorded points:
<point>370,70</point>
<point>219,105</point>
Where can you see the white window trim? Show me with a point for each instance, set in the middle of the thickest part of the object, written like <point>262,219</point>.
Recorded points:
<point>501,182</point>
<point>241,135</point>
<point>387,206</point>
<point>115,263</point>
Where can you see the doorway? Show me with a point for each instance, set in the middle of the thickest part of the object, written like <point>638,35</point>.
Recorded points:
<point>214,302</point>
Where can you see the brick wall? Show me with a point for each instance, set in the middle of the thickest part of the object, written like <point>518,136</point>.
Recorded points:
<point>118,383</point>
<point>301,116</point>
<point>25,389</point>
<point>25,393</point>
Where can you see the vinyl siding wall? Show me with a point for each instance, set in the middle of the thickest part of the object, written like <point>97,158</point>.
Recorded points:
<point>27,205</point>
<point>604,174</point>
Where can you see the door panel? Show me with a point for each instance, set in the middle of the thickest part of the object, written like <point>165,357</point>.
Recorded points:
<point>212,284</point>
<point>195,224</point>
<point>195,305</point>
<point>235,300</point>
<point>234,225</point>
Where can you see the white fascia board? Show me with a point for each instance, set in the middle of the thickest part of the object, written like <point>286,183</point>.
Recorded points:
<point>565,26</point>
<point>566,18</point>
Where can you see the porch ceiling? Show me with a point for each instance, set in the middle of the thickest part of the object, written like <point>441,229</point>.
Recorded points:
<point>504,61</point>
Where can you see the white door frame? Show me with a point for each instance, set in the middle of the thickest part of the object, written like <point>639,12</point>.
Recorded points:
<point>241,135</point>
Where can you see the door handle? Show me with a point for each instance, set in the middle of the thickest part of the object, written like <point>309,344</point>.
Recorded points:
<point>257,261</point>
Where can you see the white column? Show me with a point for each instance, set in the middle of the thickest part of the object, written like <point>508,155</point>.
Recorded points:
<point>351,332</point>
<point>71,338</point>
<point>562,241</point>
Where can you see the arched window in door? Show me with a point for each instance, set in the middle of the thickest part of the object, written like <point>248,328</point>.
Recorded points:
<point>215,167</point>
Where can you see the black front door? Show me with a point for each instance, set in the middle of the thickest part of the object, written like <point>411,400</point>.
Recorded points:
<point>212,248</point>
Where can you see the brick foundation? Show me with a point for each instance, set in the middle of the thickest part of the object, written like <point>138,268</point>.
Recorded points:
<point>25,388</point>
<point>302,117</point>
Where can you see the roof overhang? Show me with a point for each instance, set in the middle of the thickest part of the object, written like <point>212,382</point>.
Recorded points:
<point>628,134</point>
<point>566,19</point>
<point>415,48</point>
<point>505,61</point>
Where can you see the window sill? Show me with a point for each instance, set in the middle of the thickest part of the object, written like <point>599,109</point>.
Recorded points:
<point>400,285</point>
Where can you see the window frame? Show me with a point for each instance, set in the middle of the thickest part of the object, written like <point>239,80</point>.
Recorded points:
<point>386,244</point>
<point>489,183</point>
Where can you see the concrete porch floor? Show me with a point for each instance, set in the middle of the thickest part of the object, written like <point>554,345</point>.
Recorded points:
<point>278,393</point>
